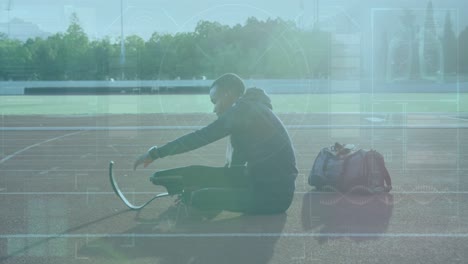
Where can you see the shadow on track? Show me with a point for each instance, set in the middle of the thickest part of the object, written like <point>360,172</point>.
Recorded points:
<point>173,239</point>
<point>59,235</point>
<point>347,215</point>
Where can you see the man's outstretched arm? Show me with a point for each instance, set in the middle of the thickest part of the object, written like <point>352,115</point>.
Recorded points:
<point>211,133</point>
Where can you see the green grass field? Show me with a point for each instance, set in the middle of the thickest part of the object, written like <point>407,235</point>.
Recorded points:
<point>282,103</point>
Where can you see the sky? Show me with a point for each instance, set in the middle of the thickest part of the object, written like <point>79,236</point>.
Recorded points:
<point>101,18</point>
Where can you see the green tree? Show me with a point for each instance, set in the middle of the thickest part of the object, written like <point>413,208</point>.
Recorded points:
<point>75,51</point>
<point>15,59</point>
<point>463,52</point>
<point>48,58</point>
<point>408,20</point>
<point>167,68</point>
<point>134,48</point>
<point>449,42</point>
<point>211,41</point>
<point>272,48</point>
<point>151,59</point>
<point>431,63</point>
<point>103,52</point>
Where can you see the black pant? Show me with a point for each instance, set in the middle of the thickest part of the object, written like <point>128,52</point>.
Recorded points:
<point>218,188</point>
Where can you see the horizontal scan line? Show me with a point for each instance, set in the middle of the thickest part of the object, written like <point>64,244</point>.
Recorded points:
<point>155,193</point>
<point>134,128</point>
<point>231,235</point>
<point>73,193</point>
<point>151,170</point>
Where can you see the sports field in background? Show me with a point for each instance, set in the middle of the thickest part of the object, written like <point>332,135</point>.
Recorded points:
<point>200,103</point>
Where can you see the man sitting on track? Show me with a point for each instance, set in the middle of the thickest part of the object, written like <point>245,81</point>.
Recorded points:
<point>261,169</point>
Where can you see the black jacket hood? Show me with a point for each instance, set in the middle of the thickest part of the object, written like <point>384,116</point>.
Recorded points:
<point>256,95</point>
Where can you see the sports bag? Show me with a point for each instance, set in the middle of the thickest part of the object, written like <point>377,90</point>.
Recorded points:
<point>343,168</point>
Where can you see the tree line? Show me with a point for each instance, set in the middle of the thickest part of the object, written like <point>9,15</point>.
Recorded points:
<point>260,49</point>
<point>273,48</point>
<point>421,50</point>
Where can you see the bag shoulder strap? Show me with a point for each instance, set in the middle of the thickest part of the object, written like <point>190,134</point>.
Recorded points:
<point>381,164</point>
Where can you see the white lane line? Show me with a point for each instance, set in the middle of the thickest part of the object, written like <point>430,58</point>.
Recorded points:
<point>151,171</point>
<point>47,171</point>
<point>375,119</point>
<point>76,253</point>
<point>246,235</point>
<point>70,193</point>
<point>457,118</point>
<point>116,151</point>
<point>153,193</point>
<point>95,128</point>
<point>35,145</point>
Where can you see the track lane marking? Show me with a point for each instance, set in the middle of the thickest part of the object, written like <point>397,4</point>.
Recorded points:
<point>324,126</point>
<point>246,235</point>
<point>35,145</point>
<point>152,193</point>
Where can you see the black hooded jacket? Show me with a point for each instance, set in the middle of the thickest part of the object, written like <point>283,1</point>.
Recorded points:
<point>259,140</point>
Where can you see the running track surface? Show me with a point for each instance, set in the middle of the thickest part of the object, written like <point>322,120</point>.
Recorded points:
<point>57,205</point>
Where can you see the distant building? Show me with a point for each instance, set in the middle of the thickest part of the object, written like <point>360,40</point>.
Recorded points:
<point>22,30</point>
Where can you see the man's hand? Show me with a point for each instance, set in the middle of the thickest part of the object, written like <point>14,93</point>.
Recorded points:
<point>144,159</point>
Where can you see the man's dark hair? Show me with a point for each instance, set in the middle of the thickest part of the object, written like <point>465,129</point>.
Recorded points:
<point>231,83</point>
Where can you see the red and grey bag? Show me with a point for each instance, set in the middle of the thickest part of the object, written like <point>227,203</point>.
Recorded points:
<point>343,168</point>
